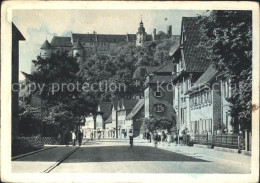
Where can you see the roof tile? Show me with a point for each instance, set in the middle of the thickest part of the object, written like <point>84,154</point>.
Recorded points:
<point>58,41</point>
<point>194,56</point>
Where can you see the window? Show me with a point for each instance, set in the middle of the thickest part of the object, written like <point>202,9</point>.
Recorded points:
<point>159,108</point>
<point>226,89</point>
<point>209,97</point>
<point>158,94</point>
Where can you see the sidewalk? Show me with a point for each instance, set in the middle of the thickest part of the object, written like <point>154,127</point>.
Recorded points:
<point>208,153</point>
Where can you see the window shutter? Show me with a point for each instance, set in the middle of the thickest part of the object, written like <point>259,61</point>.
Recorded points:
<point>154,108</point>
<point>163,107</point>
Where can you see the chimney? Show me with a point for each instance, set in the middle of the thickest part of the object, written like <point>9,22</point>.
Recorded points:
<point>169,30</point>
<point>127,38</point>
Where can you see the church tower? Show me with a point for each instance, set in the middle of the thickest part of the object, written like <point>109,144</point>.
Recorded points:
<point>46,49</point>
<point>141,35</point>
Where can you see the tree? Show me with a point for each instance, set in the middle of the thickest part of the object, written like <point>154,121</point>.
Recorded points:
<point>151,124</point>
<point>227,36</point>
<point>60,89</point>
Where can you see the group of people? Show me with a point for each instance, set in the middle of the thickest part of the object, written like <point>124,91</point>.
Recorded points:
<point>162,137</point>
<point>180,138</point>
<point>98,135</point>
<point>73,136</point>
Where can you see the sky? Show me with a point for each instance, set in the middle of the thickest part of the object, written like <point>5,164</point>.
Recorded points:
<point>39,25</point>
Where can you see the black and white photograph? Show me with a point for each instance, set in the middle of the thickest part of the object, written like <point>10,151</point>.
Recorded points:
<point>129,91</point>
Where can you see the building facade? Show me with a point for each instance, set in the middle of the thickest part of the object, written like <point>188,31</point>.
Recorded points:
<point>158,94</point>
<point>189,64</point>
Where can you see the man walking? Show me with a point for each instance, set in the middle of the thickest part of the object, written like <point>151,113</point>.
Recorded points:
<point>131,138</point>
<point>80,137</point>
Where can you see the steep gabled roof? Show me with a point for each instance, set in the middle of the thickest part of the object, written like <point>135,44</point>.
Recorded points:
<point>108,38</point>
<point>166,68</point>
<point>129,104</point>
<point>150,69</point>
<point>204,79</point>
<point>46,45</point>
<point>77,45</point>
<point>194,56</point>
<point>58,41</point>
<point>16,34</point>
<point>136,109</point>
<point>159,79</point>
<point>105,108</point>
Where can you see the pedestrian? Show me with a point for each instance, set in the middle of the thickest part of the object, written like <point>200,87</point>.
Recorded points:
<point>99,134</point>
<point>159,138</point>
<point>176,138</point>
<point>181,138</point>
<point>156,139</point>
<point>163,136</point>
<point>67,138</point>
<point>80,137</point>
<point>169,139</point>
<point>148,136</point>
<point>91,136</point>
<point>131,138</point>
<point>73,138</point>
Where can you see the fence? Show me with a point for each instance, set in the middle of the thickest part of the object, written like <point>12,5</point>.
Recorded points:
<point>36,141</point>
<point>233,141</point>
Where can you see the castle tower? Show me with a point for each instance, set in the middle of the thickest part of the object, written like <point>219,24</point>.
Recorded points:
<point>78,50</point>
<point>141,35</point>
<point>46,50</point>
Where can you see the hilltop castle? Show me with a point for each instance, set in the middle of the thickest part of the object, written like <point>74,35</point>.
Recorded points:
<point>87,45</point>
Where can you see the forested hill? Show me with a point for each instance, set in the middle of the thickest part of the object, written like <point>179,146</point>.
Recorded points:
<point>124,61</point>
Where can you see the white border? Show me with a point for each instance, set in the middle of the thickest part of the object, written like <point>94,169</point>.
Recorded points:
<point>6,18</point>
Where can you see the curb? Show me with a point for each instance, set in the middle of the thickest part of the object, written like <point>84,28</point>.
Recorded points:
<point>30,153</point>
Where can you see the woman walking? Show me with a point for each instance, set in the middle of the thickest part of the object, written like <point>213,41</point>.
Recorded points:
<point>73,138</point>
